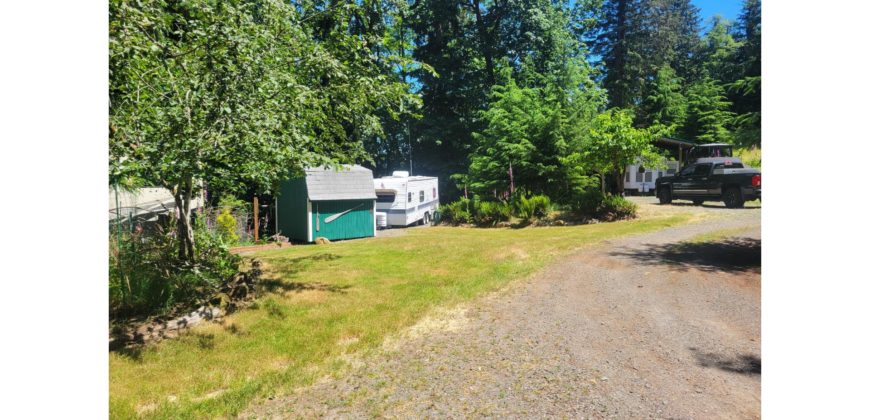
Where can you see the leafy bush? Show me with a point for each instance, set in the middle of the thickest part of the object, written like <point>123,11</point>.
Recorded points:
<point>456,212</point>
<point>146,277</point>
<point>611,207</point>
<point>491,212</point>
<point>750,156</point>
<point>226,226</point>
<point>615,207</point>
<point>529,207</point>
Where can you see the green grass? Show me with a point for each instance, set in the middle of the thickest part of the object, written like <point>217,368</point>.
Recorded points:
<point>329,301</point>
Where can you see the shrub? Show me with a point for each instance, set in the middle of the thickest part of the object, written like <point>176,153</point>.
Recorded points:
<point>595,204</point>
<point>456,212</point>
<point>491,212</point>
<point>529,207</point>
<point>615,207</point>
<point>147,278</point>
<point>226,226</point>
<point>750,157</point>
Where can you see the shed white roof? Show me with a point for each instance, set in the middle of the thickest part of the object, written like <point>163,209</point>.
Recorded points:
<point>350,182</point>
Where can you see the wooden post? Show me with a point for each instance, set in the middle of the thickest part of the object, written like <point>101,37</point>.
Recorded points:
<point>256,219</point>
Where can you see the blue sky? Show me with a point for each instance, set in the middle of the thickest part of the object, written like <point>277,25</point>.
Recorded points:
<point>729,9</point>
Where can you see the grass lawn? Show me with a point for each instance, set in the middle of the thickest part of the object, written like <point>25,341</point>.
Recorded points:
<point>331,301</point>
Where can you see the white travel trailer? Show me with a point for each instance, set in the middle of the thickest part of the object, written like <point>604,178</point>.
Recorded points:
<point>637,182</point>
<point>406,199</point>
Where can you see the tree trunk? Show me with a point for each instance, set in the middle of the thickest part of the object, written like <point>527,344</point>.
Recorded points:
<point>620,181</point>
<point>182,195</point>
<point>486,39</point>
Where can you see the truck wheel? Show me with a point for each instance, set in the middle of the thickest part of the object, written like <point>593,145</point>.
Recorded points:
<point>665,196</point>
<point>733,198</point>
<point>697,202</point>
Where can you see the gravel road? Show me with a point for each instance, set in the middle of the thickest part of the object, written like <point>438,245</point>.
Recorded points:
<point>657,325</point>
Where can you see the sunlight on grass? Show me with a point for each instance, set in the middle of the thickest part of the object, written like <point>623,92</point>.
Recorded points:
<point>329,301</point>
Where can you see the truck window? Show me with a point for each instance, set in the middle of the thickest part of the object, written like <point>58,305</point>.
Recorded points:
<point>702,169</point>
<point>688,170</point>
<point>731,166</point>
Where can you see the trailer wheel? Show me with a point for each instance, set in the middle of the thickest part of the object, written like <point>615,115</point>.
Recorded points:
<point>665,195</point>
<point>733,198</point>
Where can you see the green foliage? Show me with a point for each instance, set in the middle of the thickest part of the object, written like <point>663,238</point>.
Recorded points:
<point>531,207</point>
<point>603,207</point>
<point>456,212</point>
<point>614,143</point>
<point>665,105</point>
<point>146,277</point>
<point>750,156</point>
<point>531,133</point>
<point>708,116</point>
<point>488,213</point>
<point>226,226</point>
<point>238,93</point>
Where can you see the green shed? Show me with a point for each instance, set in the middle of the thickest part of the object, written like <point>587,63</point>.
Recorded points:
<point>335,203</point>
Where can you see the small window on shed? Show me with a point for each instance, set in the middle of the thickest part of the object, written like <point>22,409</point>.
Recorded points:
<point>647,177</point>
<point>410,198</point>
<point>422,196</point>
<point>627,176</point>
<point>639,177</point>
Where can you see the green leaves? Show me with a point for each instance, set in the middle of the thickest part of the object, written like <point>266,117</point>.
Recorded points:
<point>236,93</point>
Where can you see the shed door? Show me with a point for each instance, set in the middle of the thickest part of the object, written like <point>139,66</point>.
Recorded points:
<point>342,219</point>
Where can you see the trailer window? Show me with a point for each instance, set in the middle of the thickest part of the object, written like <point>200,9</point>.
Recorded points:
<point>386,197</point>
<point>422,196</point>
<point>434,193</point>
<point>410,198</point>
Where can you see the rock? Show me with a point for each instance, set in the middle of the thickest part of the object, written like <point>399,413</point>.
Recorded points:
<point>321,241</point>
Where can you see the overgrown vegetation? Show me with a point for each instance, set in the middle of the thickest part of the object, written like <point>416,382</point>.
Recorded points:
<point>524,208</point>
<point>329,304</point>
<point>146,276</point>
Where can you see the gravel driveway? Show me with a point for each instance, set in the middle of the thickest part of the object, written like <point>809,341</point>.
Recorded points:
<point>656,325</point>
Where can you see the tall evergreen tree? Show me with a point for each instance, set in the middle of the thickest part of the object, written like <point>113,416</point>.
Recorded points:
<point>746,91</point>
<point>665,105</point>
<point>708,116</point>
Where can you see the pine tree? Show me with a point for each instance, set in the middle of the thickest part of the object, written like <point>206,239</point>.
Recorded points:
<point>665,105</point>
<point>708,116</point>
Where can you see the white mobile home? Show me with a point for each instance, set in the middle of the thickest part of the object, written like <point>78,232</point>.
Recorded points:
<point>406,199</point>
<point>637,182</point>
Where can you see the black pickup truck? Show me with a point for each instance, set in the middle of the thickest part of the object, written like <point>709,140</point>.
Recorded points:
<point>712,179</point>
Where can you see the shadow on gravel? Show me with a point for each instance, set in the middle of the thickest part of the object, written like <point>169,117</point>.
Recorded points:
<point>736,254</point>
<point>746,364</point>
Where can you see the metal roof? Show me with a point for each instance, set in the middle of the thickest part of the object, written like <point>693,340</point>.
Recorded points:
<point>674,142</point>
<point>350,182</point>
<point>719,160</point>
